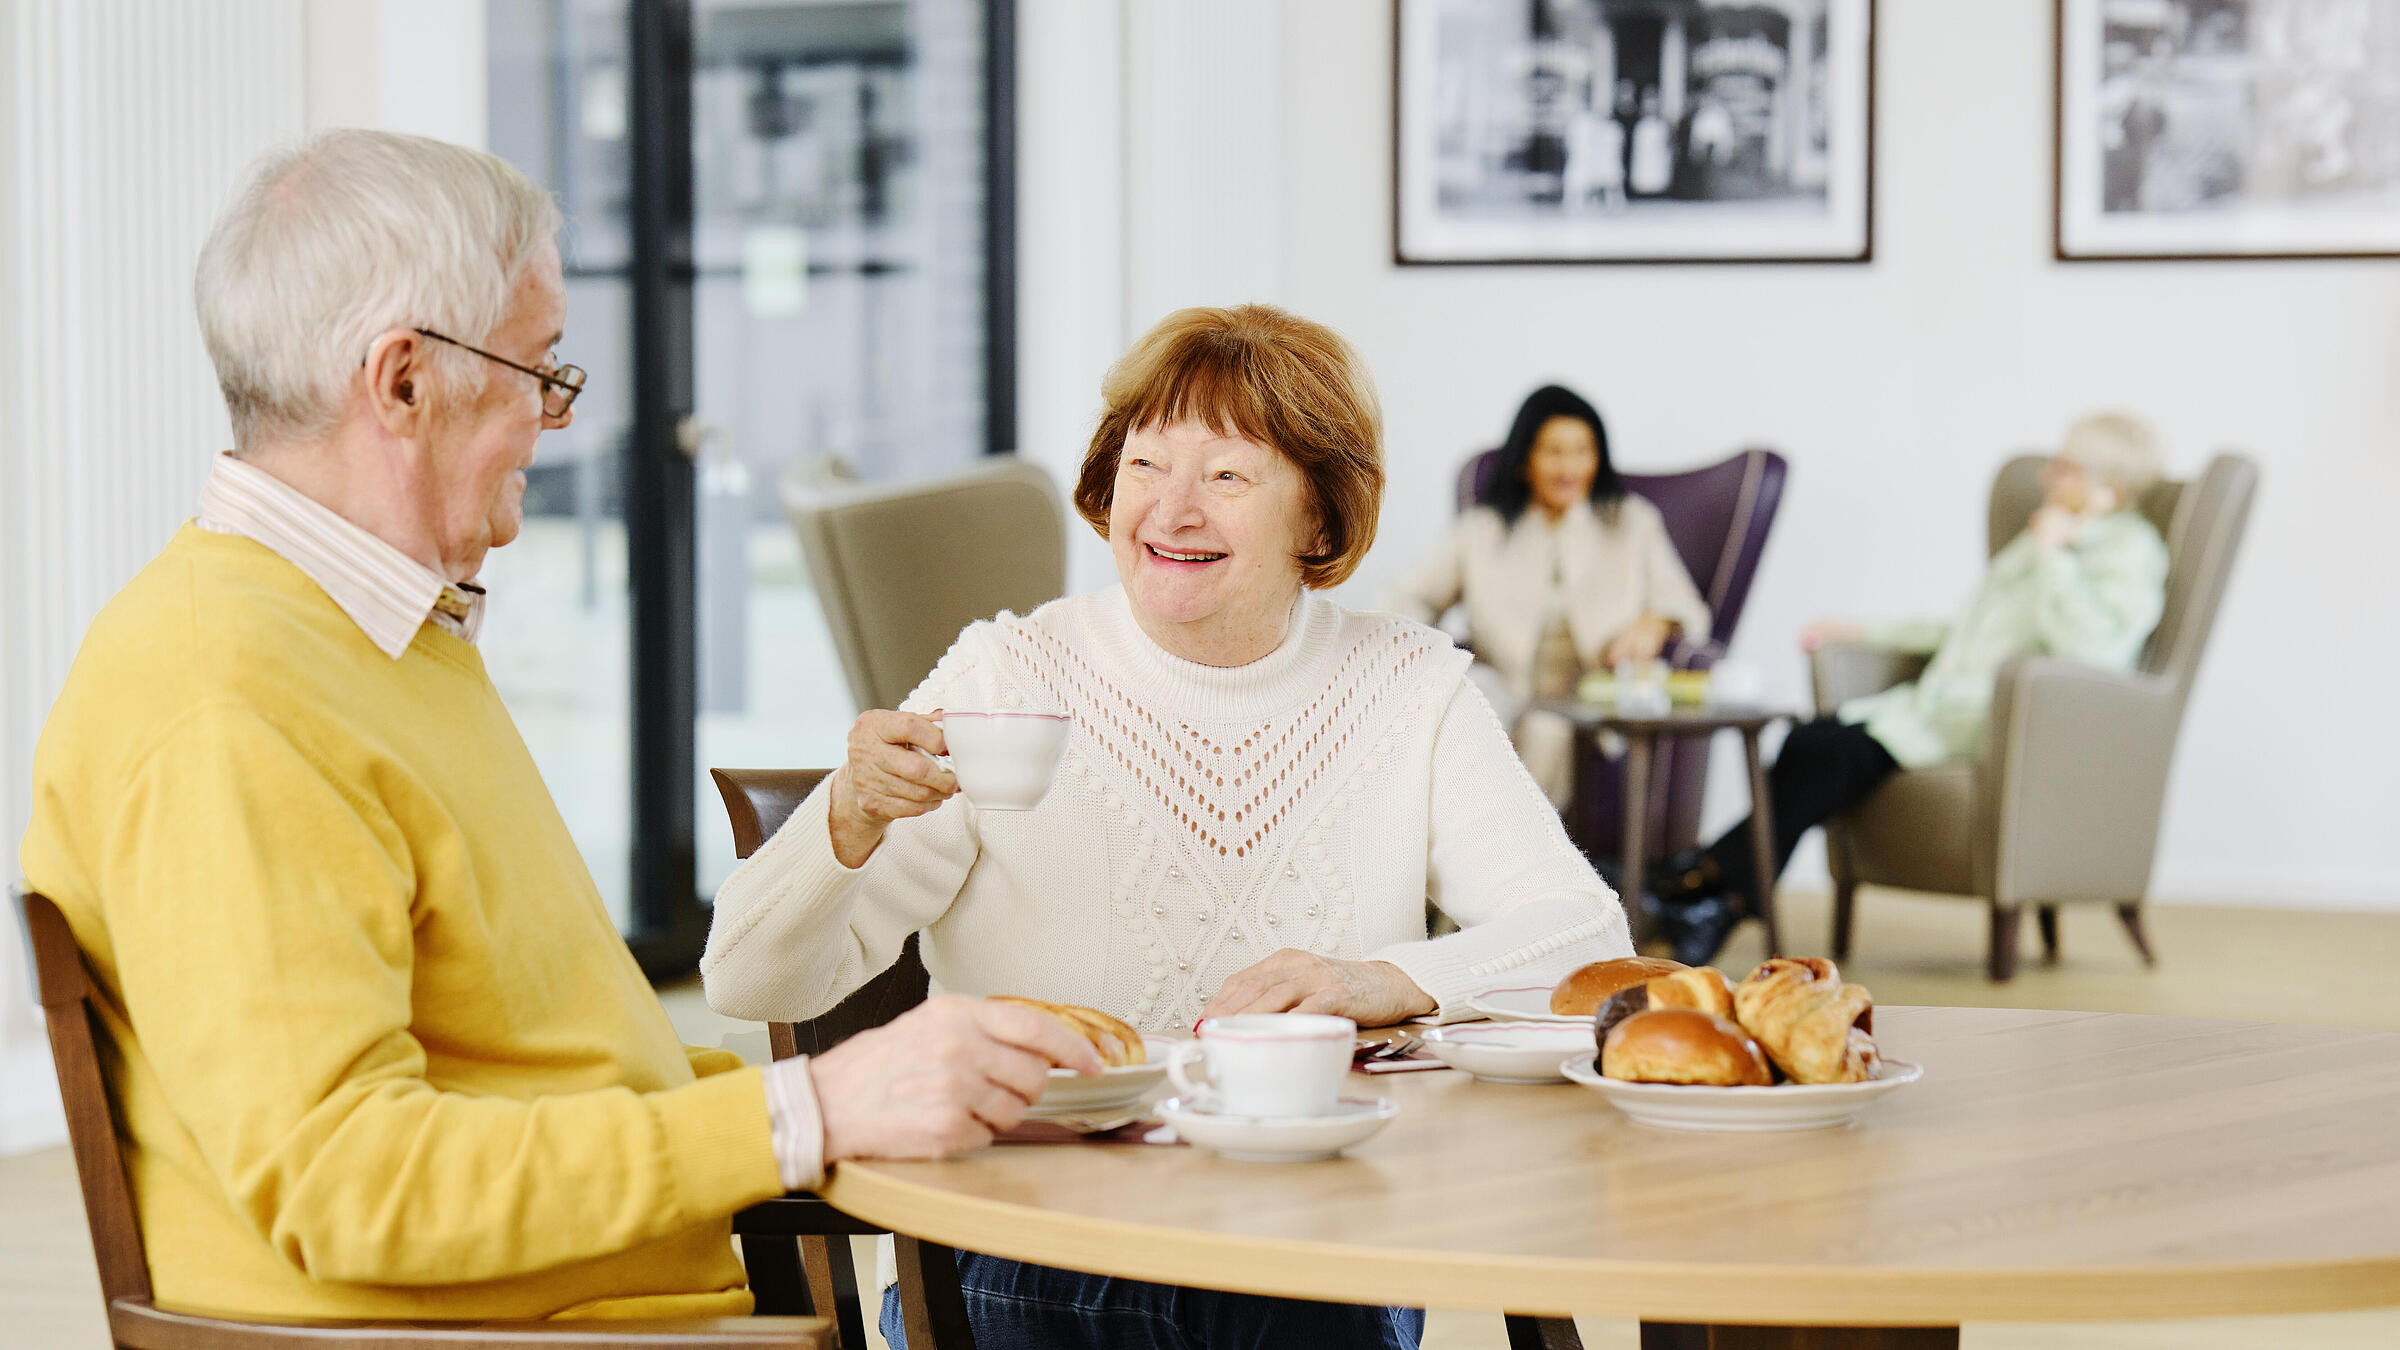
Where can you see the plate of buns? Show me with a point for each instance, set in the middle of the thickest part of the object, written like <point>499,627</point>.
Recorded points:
<point>1133,1065</point>
<point>1791,1047</point>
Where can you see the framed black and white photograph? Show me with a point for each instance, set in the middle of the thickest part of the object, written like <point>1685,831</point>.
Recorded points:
<point>2228,128</point>
<point>1591,131</point>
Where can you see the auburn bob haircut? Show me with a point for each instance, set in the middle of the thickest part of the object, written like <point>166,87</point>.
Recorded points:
<point>1259,372</point>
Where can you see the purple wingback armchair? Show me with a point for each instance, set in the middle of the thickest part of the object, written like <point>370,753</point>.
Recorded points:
<point>1718,518</point>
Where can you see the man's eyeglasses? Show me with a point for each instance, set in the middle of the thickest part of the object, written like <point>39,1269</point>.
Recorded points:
<point>560,384</point>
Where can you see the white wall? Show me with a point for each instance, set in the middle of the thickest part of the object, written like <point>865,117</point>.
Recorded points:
<point>1895,387</point>
<point>416,67</point>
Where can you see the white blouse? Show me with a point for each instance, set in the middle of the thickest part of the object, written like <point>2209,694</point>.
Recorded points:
<point>1601,573</point>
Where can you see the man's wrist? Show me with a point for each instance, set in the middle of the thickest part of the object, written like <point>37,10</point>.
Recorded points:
<point>1410,996</point>
<point>796,1124</point>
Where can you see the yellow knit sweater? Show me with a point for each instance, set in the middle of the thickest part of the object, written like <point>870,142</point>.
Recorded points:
<point>377,1049</point>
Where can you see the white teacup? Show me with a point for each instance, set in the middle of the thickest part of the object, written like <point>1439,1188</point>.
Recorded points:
<point>1004,760</point>
<point>1277,1065</point>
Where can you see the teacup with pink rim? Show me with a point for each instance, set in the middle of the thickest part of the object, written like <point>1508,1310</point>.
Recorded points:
<point>1004,759</point>
<point>1273,1065</point>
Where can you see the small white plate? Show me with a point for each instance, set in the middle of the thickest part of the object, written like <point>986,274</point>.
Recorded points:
<point>1523,1005</point>
<point>1791,1106</point>
<point>1280,1139</point>
<point>1113,1089</point>
<point>1510,1052</point>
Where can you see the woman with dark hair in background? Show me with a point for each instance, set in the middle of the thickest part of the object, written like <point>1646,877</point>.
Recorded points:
<point>1561,571</point>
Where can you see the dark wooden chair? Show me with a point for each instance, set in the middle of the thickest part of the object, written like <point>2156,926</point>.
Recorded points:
<point>798,1248</point>
<point>136,1322</point>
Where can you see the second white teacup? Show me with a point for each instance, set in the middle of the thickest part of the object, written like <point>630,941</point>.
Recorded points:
<point>1004,760</point>
<point>1277,1065</point>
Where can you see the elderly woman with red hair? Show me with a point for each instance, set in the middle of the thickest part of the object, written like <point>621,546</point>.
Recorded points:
<point>1260,792</point>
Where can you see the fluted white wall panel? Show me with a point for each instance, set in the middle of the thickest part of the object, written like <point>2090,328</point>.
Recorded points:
<point>124,126</point>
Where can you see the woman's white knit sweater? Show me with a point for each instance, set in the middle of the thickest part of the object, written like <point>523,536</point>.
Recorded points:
<point>1201,819</point>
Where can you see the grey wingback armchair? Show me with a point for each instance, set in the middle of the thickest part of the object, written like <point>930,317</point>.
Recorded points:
<point>2064,807</point>
<point>901,569</point>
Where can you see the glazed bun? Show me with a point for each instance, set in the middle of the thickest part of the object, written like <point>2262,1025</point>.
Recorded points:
<point>1703,990</point>
<point>1683,1045</point>
<point>1582,993</point>
<point>1117,1043</point>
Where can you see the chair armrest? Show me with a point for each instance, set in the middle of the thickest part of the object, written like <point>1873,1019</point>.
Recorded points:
<point>2077,773</point>
<point>1842,671</point>
<point>138,1324</point>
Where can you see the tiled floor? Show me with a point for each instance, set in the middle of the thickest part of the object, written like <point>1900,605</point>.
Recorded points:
<point>2263,965</point>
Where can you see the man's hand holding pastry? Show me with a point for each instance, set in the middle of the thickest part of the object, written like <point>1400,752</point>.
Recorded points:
<point>944,1078</point>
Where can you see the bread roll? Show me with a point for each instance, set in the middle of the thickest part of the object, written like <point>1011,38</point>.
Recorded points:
<point>1683,1045</point>
<point>1812,1024</point>
<point>1117,1043</point>
<point>1703,990</point>
<point>1582,993</point>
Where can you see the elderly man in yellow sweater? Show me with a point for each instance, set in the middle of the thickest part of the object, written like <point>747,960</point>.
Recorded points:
<point>377,1049</point>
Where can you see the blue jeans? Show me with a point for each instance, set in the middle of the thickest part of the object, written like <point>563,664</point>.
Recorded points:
<point>1014,1306</point>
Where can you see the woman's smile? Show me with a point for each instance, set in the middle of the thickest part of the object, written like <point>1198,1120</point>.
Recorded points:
<point>1184,559</point>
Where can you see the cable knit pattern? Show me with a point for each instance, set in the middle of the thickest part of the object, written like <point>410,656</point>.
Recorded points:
<point>1201,819</point>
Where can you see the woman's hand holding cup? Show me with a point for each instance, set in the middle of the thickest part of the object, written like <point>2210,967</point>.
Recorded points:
<point>889,774</point>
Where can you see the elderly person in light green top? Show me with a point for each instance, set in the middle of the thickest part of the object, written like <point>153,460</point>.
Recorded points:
<point>2085,581</point>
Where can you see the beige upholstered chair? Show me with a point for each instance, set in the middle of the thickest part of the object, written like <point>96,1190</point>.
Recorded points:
<point>2064,808</point>
<point>901,569</point>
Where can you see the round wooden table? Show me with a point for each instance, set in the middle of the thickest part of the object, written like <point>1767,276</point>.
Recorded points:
<point>2050,1166</point>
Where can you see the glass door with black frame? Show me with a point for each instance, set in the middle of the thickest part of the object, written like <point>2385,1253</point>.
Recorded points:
<point>783,241</point>
<point>839,328</point>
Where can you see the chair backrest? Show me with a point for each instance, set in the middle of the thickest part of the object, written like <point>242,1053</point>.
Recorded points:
<point>1718,517</point>
<point>2202,520</point>
<point>901,569</point>
<point>67,997</point>
<point>758,801</point>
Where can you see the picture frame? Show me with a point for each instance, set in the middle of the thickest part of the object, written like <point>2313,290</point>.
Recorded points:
<point>2225,129</point>
<point>1632,131</point>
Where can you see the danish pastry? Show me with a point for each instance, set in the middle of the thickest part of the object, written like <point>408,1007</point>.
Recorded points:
<point>1811,1023</point>
<point>1117,1043</point>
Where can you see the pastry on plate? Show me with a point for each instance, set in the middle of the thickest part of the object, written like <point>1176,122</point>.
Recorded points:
<point>1117,1043</point>
<point>1703,989</point>
<point>1683,1045</point>
<point>1814,1025</point>
<point>1582,992</point>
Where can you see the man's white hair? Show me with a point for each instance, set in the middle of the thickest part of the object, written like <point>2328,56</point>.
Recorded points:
<point>343,239</point>
<point>2119,449</point>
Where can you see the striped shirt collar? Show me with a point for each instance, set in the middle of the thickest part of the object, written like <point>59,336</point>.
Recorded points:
<point>388,594</point>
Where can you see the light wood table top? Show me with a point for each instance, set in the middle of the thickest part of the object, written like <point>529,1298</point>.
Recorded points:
<point>2049,1166</point>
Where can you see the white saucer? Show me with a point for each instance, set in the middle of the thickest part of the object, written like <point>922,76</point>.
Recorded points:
<point>1790,1106</point>
<point>1510,1052</point>
<point>1523,1005</point>
<point>1113,1089</point>
<point>1280,1139</point>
